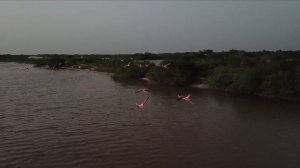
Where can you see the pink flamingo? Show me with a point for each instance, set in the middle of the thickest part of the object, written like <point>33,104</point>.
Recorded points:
<point>127,65</point>
<point>166,66</point>
<point>141,90</point>
<point>142,104</point>
<point>149,65</point>
<point>185,97</point>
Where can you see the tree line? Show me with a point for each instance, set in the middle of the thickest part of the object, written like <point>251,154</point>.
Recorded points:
<point>269,73</point>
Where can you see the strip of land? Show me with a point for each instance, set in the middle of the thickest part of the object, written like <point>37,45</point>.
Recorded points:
<point>266,73</point>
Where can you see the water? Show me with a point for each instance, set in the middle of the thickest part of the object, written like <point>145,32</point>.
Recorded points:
<point>86,119</point>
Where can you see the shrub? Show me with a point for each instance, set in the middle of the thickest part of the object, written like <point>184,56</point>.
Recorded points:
<point>56,62</point>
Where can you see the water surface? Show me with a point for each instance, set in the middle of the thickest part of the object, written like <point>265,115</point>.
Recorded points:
<point>85,119</point>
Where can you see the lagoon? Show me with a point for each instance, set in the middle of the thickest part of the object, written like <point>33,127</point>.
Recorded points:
<point>72,119</point>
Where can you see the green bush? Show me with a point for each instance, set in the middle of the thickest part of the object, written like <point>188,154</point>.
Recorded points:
<point>56,62</point>
<point>221,78</point>
<point>134,71</point>
<point>164,76</point>
<point>244,80</point>
<point>39,62</point>
<point>281,84</point>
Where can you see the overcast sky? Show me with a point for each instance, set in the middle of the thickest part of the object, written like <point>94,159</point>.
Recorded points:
<point>68,27</point>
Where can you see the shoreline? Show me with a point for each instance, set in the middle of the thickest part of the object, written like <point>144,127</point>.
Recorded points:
<point>201,86</point>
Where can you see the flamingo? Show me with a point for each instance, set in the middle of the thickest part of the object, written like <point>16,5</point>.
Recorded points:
<point>127,65</point>
<point>187,97</point>
<point>141,90</point>
<point>142,104</point>
<point>148,65</point>
<point>166,66</point>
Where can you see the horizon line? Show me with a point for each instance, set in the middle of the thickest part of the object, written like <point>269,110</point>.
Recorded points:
<point>147,52</point>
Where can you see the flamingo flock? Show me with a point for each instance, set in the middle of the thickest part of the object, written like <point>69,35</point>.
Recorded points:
<point>131,61</point>
<point>141,105</point>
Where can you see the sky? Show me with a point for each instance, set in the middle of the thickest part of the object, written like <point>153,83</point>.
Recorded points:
<point>114,27</point>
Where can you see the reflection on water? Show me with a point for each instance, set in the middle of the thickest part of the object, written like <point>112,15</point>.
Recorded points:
<point>85,119</point>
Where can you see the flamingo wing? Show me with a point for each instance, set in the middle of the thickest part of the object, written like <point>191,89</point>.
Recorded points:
<point>188,96</point>
<point>139,90</point>
<point>179,97</point>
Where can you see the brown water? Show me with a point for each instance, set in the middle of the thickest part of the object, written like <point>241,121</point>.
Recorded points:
<point>85,119</point>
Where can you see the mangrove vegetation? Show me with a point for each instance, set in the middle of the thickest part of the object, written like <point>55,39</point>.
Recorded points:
<point>268,73</point>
